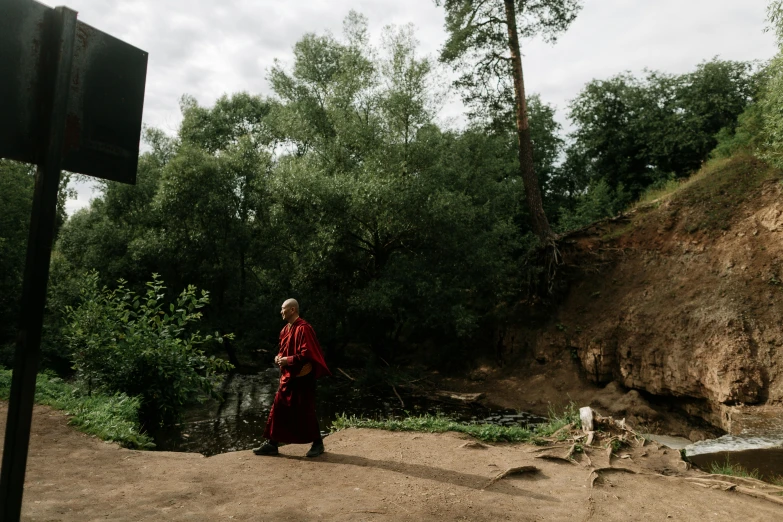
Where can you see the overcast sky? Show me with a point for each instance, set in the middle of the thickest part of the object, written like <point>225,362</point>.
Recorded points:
<point>208,47</point>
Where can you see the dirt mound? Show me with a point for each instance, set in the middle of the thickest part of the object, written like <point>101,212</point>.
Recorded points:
<point>370,475</point>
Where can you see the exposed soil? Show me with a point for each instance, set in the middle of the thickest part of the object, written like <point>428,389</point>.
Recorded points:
<point>677,306</point>
<point>369,475</point>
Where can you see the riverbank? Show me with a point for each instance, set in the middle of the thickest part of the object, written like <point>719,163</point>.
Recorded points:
<point>366,475</point>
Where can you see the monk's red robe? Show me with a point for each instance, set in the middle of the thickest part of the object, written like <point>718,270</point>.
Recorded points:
<point>292,418</point>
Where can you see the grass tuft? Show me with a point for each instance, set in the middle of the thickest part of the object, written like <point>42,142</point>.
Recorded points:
<point>733,470</point>
<point>559,420</point>
<point>109,417</point>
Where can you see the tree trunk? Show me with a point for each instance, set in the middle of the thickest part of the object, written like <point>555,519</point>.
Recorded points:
<point>532,191</point>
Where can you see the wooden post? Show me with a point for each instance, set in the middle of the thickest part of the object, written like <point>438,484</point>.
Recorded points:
<point>57,58</point>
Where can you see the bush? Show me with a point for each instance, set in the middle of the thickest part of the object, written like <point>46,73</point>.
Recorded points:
<point>109,417</point>
<point>122,342</point>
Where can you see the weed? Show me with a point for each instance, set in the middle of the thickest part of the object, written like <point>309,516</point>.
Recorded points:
<point>732,470</point>
<point>617,445</point>
<point>569,415</point>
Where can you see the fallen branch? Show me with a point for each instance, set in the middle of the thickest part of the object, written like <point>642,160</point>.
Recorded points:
<point>343,372</point>
<point>512,471</point>
<point>398,395</point>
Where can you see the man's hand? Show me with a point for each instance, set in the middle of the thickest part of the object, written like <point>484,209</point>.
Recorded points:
<point>281,361</point>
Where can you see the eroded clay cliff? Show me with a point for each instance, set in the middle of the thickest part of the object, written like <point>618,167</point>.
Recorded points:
<point>683,297</point>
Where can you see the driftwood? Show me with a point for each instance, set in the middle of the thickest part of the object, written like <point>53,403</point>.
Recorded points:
<point>512,471</point>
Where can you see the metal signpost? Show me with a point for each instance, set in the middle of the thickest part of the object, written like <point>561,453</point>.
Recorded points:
<point>71,98</point>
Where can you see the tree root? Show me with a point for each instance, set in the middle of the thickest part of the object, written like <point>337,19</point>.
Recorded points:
<point>595,474</point>
<point>512,471</point>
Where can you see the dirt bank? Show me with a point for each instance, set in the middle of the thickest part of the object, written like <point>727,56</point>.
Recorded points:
<point>365,475</point>
<point>680,298</point>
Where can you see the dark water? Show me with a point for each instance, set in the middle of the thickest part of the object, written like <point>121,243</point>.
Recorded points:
<point>755,443</point>
<point>237,422</point>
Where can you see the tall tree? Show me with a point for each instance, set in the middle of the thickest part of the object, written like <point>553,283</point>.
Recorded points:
<point>484,42</point>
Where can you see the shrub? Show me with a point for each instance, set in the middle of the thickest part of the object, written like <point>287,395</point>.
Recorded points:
<point>122,342</point>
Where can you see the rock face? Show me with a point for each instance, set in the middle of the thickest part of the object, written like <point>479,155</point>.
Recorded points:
<point>679,312</point>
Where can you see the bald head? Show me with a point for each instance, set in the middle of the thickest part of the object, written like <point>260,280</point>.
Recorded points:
<point>290,310</point>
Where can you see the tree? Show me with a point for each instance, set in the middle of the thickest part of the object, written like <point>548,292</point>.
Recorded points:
<point>640,130</point>
<point>772,96</point>
<point>484,42</point>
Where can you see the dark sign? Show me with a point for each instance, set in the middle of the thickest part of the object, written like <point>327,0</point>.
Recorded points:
<point>105,98</point>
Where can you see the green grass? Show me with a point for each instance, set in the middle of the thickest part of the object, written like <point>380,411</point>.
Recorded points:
<point>718,190</point>
<point>733,470</point>
<point>558,420</point>
<point>109,417</point>
<point>485,432</point>
<point>659,191</point>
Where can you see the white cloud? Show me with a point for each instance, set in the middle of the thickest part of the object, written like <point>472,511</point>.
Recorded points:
<point>207,48</point>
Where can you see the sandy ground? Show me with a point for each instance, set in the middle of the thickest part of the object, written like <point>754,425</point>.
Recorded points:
<point>365,475</point>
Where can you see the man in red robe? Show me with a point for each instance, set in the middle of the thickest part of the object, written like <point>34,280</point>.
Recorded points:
<point>292,419</point>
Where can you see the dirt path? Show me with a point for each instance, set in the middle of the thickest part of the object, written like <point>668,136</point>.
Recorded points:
<point>365,475</point>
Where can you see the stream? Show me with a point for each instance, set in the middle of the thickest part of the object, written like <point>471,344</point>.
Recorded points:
<point>237,422</point>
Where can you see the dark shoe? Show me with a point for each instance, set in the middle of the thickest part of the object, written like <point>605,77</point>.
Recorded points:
<point>266,449</point>
<point>316,449</point>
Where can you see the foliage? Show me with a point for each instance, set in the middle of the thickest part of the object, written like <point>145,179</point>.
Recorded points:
<point>477,46</point>
<point>637,131</point>
<point>340,191</point>
<point>132,344</point>
<point>772,97</point>
<point>109,417</point>
<point>597,203</point>
<point>17,181</point>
